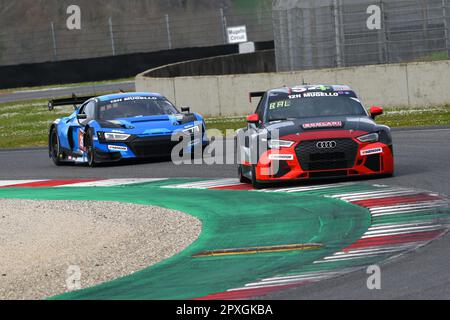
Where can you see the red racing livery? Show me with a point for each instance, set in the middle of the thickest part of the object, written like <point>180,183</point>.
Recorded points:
<point>309,132</point>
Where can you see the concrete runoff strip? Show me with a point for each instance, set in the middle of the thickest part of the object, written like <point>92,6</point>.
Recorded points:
<point>40,240</point>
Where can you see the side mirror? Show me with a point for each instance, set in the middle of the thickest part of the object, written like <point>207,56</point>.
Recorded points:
<point>253,118</point>
<point>376,111</point>
<point>185,109</point>
<point>81,116</point>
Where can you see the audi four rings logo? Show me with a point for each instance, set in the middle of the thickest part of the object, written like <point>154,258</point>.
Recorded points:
<point>326,144</point>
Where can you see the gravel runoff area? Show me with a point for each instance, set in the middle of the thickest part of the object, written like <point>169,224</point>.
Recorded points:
<point>43,243</point>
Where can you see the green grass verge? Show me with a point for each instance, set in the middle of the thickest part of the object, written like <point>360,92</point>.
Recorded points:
<point>25,124</point>
<point>69,85</point>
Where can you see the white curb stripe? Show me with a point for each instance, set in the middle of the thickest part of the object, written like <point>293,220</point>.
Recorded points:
<point>206,184</point>
<point>401,233</point>
<point>366,193</point>
<point>309,188</point>
<point>7,183</point>
<point>381,195</point>
<point>417,205</point>
<point>112,182</point>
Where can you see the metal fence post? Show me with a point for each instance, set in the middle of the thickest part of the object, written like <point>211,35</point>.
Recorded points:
<point>111,34</point>
<point>384,32</point>
<point>55,49</point>
<point>169,36</point>
<point>446,33</point>
<point>337,32</point>
<point>223,21</point>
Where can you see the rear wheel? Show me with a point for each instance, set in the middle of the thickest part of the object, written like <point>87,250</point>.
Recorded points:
<point>54,147</point>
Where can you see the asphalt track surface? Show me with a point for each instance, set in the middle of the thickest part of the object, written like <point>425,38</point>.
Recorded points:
<point>59,92</point>
<point>422,161</point>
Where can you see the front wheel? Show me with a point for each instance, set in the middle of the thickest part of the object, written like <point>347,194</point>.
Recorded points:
<point>54,147</point>
<point>92,161</point>
<point>242,178</point>
<point>255,183</point>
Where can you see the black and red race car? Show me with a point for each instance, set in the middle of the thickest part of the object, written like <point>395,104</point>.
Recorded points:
<point>313,131</point>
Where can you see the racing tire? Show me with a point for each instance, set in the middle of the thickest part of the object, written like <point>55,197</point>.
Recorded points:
<point>256,185</point>
<point>54,147</point>
<point>242,178</point>
<point>92,162</point>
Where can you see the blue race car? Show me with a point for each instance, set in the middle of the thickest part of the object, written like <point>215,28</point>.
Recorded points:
<point>122,126</point>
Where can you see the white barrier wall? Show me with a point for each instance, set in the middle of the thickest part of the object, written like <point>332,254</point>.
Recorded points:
<point>401,85</point>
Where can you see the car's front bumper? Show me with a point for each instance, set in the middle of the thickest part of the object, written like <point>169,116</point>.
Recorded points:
<point>296,163</point>
<point>141,147</point>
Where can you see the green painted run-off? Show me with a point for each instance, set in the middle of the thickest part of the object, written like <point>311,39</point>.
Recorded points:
<point>231,219</point>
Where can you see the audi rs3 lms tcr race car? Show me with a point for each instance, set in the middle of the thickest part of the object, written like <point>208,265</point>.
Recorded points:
<point>121,126</point>
<point>314,132</point>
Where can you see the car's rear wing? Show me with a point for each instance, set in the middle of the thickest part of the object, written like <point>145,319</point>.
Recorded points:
<point>74,100</point>
<point>256,94</point>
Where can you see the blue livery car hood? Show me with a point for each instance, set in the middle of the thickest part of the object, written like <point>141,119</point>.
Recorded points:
<point>150,125</point>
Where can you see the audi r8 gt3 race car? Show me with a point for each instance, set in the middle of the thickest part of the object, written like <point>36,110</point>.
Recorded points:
<point>314,132</point>
<point>121,126</point>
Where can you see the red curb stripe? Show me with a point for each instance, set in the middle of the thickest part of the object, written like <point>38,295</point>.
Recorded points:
<point>50,183</point>
<point>244,186</point>
<point>392,201</point>
<point>248,293</point>
<point>395,239</point>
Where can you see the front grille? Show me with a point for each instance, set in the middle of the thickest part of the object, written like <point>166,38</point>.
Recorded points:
<point>152,146</point>
<point>311,157</point>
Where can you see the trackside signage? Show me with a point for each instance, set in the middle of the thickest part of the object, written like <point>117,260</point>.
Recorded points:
<point>237,34</point>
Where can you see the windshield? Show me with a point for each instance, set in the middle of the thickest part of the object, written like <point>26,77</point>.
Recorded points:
<point>131,107</point>
<point>287,107</point>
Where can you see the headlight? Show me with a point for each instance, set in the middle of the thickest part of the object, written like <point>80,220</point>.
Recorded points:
<point>371,137</point>
<point>192,130</point>
<point>278,144</point>
<point>111,136</point>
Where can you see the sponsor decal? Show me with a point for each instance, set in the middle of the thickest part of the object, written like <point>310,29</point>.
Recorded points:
<point>117,148</point>
<point>320,94</point>
<point>371,151</point>
<point>275,156</point>
<point>314,95</point>
<point>133,99</point>
<point>325,124</point>
<point>299,89</point>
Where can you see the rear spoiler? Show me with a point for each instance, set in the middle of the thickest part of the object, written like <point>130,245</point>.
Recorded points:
<point>256,94</point>
<point>74,100</point>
